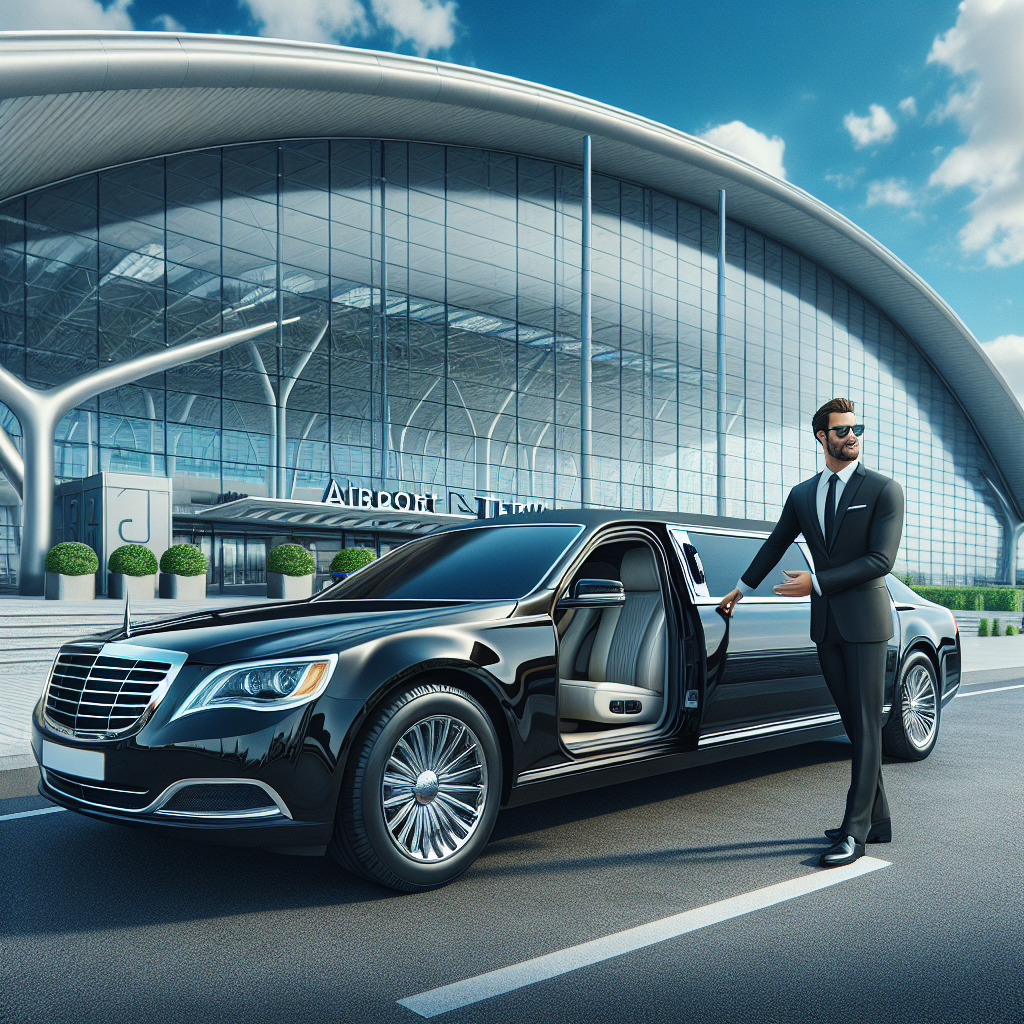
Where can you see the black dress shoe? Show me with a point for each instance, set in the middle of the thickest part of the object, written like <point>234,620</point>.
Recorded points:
<point>880,832</point>
<point>845,851</point>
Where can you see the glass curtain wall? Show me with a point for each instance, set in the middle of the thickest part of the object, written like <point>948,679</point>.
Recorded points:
<point>434,294</point>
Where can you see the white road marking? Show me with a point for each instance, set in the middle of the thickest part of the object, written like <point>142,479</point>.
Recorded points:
<point>529,972</point>
<point>31,814</point>
<point>998,689</point>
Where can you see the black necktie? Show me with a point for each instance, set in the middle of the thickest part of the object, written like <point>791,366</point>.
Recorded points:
<point>830,508</point>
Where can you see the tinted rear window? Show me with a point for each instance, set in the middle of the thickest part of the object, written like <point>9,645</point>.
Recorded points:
<point>727,558</point>
<point>490,563</point>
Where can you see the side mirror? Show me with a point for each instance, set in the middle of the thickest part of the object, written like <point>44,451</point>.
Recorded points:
<point>595,594</point>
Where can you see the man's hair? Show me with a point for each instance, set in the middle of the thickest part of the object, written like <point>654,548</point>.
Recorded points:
<point>820,421</point>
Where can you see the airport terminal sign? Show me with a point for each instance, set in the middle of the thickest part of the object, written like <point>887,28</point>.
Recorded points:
<point>483,506</point>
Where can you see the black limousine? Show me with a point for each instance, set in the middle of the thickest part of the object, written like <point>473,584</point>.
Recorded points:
<point>386,720</point>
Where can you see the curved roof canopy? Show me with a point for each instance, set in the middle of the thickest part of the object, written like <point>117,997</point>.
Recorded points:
<point>79,101</point>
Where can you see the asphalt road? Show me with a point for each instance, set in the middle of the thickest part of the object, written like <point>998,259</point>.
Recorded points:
<point>102,923</point>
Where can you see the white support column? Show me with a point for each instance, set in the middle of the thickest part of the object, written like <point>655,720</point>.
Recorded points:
<point>586,338</point>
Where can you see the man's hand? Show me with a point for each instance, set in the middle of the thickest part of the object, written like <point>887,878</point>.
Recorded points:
<point>729,602</point>
<point>798,585</point>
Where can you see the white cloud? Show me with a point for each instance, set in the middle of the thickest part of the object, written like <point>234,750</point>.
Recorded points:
<point>985,49</point>
<point>168,23</point>
<point>844,181</point>
<point>1007,352</point>
<point>749,143</point>
<point>427,24</point>
<point>908,106</point>
<point>318,21</point>
<point>63,15</point>
<point>890,192</point>
<point>878,126</point>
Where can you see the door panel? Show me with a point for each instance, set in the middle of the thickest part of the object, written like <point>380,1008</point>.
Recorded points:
<point>771,668</point>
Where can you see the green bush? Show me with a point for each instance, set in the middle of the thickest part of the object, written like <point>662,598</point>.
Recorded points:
<point>983,627</point>
<point>72,559</point>
<point>1011,630</point>
<point>184,560</point>
<point>995,627</point>
<point>132,560</point>
<point>1003,599</point>
<point>957,598</point>
<point>351,559</point>
<point>291,560</point>
<point>975,599</point>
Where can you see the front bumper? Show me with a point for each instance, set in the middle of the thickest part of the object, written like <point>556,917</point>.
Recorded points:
<point>246,778</point>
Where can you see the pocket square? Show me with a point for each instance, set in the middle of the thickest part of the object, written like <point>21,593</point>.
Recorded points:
<point>853,508</point>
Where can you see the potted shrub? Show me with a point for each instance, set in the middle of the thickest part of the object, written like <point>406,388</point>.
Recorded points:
<point>132,571</point>
<point>71,572</point>
<point>350,560</point>
<point>183,573</point>
<point>290,569</point>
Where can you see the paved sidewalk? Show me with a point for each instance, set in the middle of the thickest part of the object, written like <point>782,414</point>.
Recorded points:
<point>23,671</point>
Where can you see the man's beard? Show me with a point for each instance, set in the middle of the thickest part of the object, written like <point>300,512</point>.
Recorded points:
<point>842,453</point>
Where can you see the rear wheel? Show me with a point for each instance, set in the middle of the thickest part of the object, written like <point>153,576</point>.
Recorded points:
<point>421,794</point>
<point>913,725</point>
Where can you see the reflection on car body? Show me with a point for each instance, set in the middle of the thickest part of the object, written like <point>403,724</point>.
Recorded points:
<point>386,720</point>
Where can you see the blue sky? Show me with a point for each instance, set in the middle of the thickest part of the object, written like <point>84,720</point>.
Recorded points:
<point>907,117</point>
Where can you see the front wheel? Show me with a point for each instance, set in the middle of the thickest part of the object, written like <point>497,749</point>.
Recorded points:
<point>913,725</point>
<point>421,794</point>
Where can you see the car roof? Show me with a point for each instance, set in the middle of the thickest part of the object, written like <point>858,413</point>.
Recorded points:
<point>592,518</point>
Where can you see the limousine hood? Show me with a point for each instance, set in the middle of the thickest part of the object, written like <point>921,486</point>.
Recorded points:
<point>280,630</point>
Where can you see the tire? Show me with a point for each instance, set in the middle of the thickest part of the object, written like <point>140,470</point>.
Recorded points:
<point>400,822</point>
<point>913,725</point>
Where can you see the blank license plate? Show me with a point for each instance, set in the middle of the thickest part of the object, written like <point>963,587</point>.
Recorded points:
<point>86,764</point>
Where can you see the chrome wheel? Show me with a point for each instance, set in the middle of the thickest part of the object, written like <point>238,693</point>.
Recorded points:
<point>433,788</point>
<point>919,706</point>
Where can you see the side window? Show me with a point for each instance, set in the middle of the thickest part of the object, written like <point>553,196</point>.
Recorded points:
<point>726,558</point>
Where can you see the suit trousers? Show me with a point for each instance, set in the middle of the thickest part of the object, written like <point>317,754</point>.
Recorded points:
<point>855,674</point>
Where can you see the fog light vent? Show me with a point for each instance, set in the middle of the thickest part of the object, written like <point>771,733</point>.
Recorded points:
<point>220,798</point>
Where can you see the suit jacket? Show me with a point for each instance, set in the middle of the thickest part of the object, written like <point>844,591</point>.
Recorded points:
<point>851,572</point>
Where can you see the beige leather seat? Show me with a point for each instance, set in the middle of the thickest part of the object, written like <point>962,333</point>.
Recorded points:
<point>627,660</point>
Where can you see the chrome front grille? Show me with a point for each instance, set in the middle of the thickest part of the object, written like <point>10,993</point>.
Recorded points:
<point>101,690</point>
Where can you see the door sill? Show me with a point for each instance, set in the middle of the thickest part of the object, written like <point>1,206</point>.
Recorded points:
<point>767,729</point>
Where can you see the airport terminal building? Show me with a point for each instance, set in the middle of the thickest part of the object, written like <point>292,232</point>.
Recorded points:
<point>410,237</point>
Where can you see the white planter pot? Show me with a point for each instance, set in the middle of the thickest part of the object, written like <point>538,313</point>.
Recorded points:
<point>70,588</point>
<point>140,588</point>
<point>182,588</point>
<point>291,588</point>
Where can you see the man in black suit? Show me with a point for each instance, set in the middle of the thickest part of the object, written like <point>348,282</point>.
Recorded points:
<point>852,520</point>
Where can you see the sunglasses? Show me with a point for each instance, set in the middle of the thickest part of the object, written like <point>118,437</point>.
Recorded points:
<point>841,432</point>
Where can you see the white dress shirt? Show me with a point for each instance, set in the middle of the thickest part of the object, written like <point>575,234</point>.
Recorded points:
<point>820,495</point>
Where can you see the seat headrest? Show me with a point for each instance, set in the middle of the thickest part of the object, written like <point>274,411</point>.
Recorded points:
<point>638,571</point>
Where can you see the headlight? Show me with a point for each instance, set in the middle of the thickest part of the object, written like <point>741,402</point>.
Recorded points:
<point>262,685</point>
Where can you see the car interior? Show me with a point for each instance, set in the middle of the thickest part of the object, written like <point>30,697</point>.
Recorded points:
<point>612,660</point>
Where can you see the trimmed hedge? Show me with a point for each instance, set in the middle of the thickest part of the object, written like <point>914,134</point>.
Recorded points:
<point>72,559</point>
<point>983,627</point>
<point>975,599</point>
<point>184,560</point>
<point>132,560</point>
<point>291,560</point>
<point>351,559</point>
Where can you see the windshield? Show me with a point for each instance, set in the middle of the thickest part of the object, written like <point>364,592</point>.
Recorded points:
<point>490,563</point>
